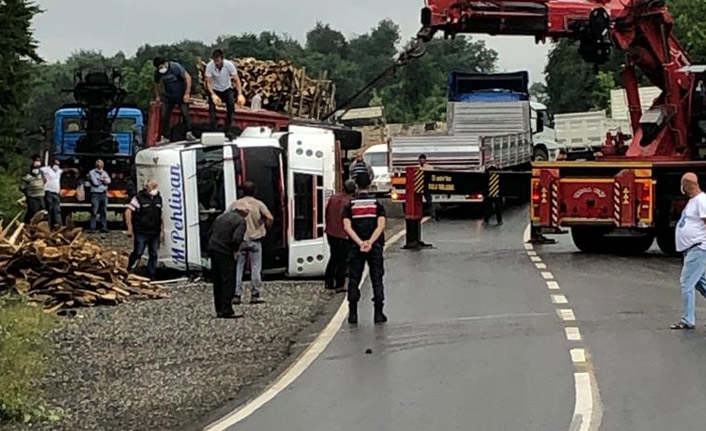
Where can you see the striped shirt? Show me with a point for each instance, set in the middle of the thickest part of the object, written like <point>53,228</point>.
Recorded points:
<point>363,212</point>
<point>360,167</point>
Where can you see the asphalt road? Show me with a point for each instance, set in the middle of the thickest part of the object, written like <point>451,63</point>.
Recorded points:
<point>650,378</point>
<point>473,342</point>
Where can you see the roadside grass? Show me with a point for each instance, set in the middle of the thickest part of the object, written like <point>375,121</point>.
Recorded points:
<point>24,356</point>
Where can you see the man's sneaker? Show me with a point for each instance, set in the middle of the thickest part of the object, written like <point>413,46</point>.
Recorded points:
<point>230,315</point>
<point>236,300</point>
<point>352,313</point>
<point>255,299</point>
<point>163,141</point>
<point>190,136</point>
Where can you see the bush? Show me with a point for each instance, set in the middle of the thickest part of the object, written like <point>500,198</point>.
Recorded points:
<point>24,350</point>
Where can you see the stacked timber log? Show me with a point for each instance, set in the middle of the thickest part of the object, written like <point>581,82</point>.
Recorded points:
<point>283,87</point>
<point>62,269</point>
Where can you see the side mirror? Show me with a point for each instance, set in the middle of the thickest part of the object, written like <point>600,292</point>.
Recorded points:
<point>540,123</point>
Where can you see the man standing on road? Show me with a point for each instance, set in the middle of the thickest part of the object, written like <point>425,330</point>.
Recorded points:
<point>52,190</point>
<point>143,217</point>
<point>176,91</point>
<point>32,186</point>
<point>258,220</point>
<point>221,75</point>
<point>364,221</point>
<point>691,241</point>
<point>99,180</point>
<point>335,278</point>
<point>224,250</point>
<point>425,166</point>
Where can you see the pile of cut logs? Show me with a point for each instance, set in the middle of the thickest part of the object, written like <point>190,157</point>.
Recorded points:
<point>283,87</point>
<point>62,269</point>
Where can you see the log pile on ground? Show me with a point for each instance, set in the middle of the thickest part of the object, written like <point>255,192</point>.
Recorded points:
<point>62,269</point>
<point>283,87</point>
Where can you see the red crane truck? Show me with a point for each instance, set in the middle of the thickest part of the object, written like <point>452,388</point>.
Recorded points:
<point>630,194</point>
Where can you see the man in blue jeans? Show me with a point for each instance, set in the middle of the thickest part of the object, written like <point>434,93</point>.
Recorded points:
<point>144,220</point>
<point>100,180</point>
<point>258,220</point>
<point>691,241</point>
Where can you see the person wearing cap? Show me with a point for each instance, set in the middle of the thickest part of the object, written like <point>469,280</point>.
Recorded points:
<point>52,192</point>
<point>221,77</point>
<point>335,277</point>
<point>364,221</point>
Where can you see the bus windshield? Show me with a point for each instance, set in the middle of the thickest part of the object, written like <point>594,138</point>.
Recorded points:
<point>376,159</point>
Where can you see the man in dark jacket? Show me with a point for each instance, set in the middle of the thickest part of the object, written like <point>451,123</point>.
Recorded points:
<point>145,224</point>
<point>224,248</point>
<point>172,87</point>
<point>335,278</point>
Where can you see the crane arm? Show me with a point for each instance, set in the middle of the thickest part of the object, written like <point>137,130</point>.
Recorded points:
<point>641,28</point>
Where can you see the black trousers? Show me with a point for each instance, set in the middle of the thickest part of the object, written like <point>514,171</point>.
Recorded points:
<point>52,202</point>
<point>228,97</point>
<point>493,205</point>
<point>335,277</point>
<point>223,277</point>
<point>167,108</point>
<point>34,205</point>
<point>357,260</point>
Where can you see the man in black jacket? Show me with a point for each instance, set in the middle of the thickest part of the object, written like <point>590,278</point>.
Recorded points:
<point>144,223</point>
<point>223,249</point>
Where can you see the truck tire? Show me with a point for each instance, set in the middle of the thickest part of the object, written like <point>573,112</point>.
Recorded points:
<point>590,239</point>
<point>666,241</point>
<point>634,245</point>
<point>540,155</point>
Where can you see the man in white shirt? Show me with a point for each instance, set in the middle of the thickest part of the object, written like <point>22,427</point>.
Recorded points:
<point>52,192</point>
<point>221,75</point>
<point>691,241</point>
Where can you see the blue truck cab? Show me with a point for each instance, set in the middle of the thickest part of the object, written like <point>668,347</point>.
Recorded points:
<point>68,128</point>
<point>127,132</point>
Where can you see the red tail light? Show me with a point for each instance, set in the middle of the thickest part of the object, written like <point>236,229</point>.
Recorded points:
<point>536,195</point>
<point>645,191</point>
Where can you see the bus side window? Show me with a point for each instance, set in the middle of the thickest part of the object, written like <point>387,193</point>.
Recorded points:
<point>308,206</point>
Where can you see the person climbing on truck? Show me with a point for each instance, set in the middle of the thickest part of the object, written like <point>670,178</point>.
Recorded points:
<point>221,76</point>
<point>172,87</point>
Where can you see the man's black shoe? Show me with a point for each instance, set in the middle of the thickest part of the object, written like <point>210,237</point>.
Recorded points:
<point>341,290</point>
<point>352,313</point>
<point>379,315</point>
<point>231,315</point>
<point>255,299</point>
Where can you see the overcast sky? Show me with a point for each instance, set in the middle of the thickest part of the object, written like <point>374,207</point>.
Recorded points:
<point>123,25</point>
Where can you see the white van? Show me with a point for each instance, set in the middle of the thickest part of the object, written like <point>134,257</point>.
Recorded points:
<point>377,157</point>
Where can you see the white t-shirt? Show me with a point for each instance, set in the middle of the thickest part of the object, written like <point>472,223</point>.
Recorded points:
<point>52,179</point>
<point>691,229</point>
<point>221,80</point>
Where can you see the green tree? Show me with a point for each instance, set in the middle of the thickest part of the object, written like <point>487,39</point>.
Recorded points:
<point>324,40</point>
<point>17,56</point>
<point>538,91</point>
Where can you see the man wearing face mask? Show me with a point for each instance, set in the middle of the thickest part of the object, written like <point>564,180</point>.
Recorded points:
<point>172,87</point>
<point>32,186</point>
<point>52,189</point>
<point>143,217</point>
<point>690,236</point>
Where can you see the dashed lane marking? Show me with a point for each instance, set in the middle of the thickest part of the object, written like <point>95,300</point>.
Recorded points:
<point>299,366</point>
<point>588,410</point>
<point>559,299</point>
<point>572,333</point>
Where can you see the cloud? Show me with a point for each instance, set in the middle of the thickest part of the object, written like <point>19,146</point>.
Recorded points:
<point>110,26</point>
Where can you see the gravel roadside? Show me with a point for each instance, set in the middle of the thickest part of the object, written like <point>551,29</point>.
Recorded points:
<point>161,365</point>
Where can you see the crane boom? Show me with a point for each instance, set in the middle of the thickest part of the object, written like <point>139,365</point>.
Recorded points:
<point>643,29</point>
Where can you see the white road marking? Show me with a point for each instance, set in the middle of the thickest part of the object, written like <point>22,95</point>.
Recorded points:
<point>553,285</point>
<point>567,314</point>
<point>529,247</point>
<point>541,265</point>
<point>584,419</point>
<point>578,356</point>
<point>559,299</point>
<point>547,275</point>
<point>535,258</point>
<point>531,253</point>
<point>573,333</point>
<point>300,364</point>
<point>497,316</point>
